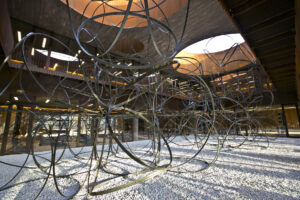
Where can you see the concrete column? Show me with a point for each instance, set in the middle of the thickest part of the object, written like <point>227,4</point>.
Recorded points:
<point>6,130</point>
<point>47,64</point>
<point>246,129</point>
<point>298,114</point>
<point>78,130</point>
<point>284,122</point>
<point>29,131</point>
<point>121,128</point>
<point>135,129</point>
<point>17,126</point>
<point>297,52</point>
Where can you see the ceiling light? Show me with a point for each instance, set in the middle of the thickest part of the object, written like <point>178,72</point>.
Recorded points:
<point>55,65</point>
<point>44,42</point>
<point>47,101</point>
<point>137,74</point>
<point>20,91</point>
<point>97,54</point>
<point>79,51</point>
<point>19,36</point>
<point>119,63</point>
<point>32,51</point>
<point>57,55</point>
<point>241,74</point>
<point>215,44</point>
<point>130,64</point>
<point>16,98</point>
<point>82,62</point>
<point>152,75</point>
<point>222,83</point>
<point>117,73</point>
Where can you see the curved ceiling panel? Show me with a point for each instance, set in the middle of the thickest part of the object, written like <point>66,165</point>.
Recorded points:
<point>159,9</point>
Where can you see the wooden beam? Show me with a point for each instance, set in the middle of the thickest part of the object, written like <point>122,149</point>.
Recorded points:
<point>272,39</point>
<point>271,21</point>
<point>277,51</point>
<point>245,6</point>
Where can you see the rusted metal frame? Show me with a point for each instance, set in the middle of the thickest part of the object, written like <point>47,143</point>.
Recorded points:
<point>271,21</point>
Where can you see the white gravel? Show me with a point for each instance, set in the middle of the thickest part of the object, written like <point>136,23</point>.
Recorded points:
<point>249,172</point>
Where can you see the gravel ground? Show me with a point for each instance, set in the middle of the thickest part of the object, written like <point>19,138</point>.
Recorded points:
<point>249,172</point>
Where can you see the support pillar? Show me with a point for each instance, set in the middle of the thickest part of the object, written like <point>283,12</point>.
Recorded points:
<point>48,59</point>
<point>16,131</point>
<point>298,114</point>
<point>29,130</point>
<point>121,128</point>
<point>6,129</point>
<point>94,129</point>
<point>246,130</point>
<point>95,122</point>
<point>284,121</point>
<point>135,129</point>
<point>78,130</point>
